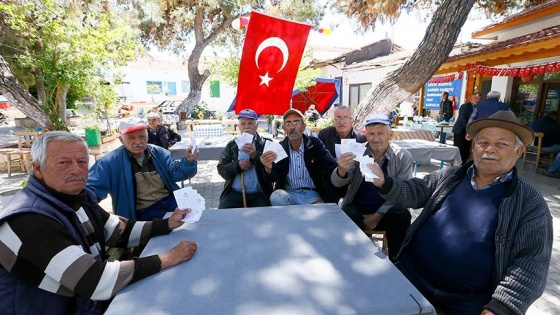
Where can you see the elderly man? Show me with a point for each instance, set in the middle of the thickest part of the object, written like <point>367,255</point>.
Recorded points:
<point>489,107</point>
<point>53,236</point>
<point>460,127</point>
<point>139,176</point>
<point>301,178</point>
<point>160,135</point>
<point>341,129</point>
<point>483,241</point>
<point>242,169</point>
<point>362,202</point>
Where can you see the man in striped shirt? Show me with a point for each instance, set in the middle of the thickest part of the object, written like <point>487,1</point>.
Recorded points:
<point>302,177</point>
<point>53,236</point>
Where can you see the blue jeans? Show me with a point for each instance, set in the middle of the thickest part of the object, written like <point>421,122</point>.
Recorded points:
<point>281,197</point>
<point>555,148</point>
<point>555,166</point>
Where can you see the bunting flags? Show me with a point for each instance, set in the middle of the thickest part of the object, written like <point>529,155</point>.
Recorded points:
<point>499,72</point>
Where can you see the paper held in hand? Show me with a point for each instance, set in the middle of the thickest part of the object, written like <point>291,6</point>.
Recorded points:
<point>244,138</point>
<point>350,145</point>
<point>190,198</point>
<point>366,171</point>
<point>275,147</point>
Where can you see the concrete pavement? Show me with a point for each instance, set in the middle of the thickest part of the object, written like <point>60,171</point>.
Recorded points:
<point>209,184</point>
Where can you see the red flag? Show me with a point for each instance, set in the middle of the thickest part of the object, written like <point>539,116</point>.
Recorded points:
<point>269,64</point>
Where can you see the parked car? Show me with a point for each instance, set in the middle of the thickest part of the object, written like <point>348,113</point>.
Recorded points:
<point>169,107</point>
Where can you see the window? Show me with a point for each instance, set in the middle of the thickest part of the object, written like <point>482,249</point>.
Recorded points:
<point>357,93</point>
<point>154,87</point>
<point>185,87</point>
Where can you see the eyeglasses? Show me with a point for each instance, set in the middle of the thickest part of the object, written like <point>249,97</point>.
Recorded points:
<point>293,123</point>
<point>339,118</point>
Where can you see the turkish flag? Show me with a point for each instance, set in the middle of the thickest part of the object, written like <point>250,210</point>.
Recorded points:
<point>269,64</point>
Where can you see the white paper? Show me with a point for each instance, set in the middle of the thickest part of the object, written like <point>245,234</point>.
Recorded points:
<point>243,138</point>
<point>366,171</point>
<point>275,147</point>
<point>190,198</point>
<point>350,145</point>
<point>193,144</point>
<point>337,150</point>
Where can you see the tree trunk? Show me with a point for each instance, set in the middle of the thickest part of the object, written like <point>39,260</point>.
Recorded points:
<point>39,81</point>
<point>196,79</point>
<point>60,102</point>
<point>432,52</point>
<point>19,96</point>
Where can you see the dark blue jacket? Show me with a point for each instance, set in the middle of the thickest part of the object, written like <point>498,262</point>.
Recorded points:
<point>487,108</point>
<point>17,297</point>
<point>550,128</point>
<point>318,161</point>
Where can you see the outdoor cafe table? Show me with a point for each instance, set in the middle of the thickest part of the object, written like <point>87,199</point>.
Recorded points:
<point>210,148</point>
<point>308,259</point>
<point>423,150</point>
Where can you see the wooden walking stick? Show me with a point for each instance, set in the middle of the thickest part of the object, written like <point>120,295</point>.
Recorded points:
<point>243,189</point>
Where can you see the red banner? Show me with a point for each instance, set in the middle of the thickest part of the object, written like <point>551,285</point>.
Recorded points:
<point>269,64</point>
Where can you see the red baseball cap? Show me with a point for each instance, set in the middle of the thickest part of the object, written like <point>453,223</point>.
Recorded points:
<point>131,125</point>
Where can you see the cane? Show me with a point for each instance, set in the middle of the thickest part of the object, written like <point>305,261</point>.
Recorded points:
<point>243,190</point>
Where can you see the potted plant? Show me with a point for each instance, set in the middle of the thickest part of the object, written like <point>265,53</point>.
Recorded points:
<point>92,129</point>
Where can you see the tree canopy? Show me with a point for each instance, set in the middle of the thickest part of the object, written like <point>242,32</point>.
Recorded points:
<point>60,47</point>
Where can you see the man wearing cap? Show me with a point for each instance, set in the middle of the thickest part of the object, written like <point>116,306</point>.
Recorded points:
<point>342,129</point>
<point>160,135</point>
<point>483,240</point>
<point>362,202</point>
<point>242,169</point>
<point>140,177</point>
<point>301,178</point>
<point>491,105</point>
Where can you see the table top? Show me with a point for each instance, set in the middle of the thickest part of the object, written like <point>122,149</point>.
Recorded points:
<point>210,148</point>
<point>423,150</point>
<point>309,259</point>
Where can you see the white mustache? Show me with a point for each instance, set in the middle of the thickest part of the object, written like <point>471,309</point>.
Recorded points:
<point>489,156</point>
<point>74,178</point>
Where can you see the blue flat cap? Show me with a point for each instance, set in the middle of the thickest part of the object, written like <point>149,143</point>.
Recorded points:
<point>248,113</point>
<point>378,119</point>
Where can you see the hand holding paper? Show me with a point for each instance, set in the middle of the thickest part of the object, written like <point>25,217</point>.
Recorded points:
<point>350,145</point>
<point>190,198</point>
<point>366,171</point>
<point>244,138</point>
<point>277,148</point>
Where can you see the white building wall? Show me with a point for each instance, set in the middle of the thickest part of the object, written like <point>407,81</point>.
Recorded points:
<point>529,28</point>
<point>363,76</point>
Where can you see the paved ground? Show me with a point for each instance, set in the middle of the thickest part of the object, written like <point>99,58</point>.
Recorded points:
<point>209,184</point>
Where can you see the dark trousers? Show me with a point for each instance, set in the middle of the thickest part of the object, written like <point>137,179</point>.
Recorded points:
<point>234,199</point>
<point>395,223</point>
<point>445,302</point>
<point>158,209</point>
<point>463,144</point>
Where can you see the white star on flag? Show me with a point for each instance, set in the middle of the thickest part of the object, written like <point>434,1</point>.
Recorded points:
<point>265,79</point>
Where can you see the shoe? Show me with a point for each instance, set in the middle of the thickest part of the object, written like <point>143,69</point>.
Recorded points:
<point>549,174</point>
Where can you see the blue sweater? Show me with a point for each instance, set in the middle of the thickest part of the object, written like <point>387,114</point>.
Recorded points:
<point>112,174</point>
<point>454,249</point>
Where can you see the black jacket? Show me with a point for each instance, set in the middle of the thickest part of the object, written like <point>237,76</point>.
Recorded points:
<point>318,161</point>
<point>163,137</point>
<point>228,167</point>
<point>465,112</point>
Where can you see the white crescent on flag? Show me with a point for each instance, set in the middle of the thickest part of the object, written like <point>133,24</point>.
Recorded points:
<point>273,42</point>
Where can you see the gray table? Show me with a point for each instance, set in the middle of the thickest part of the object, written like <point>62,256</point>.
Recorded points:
<point>210,148</point>
<point>308,259</point>
<point>423,150</point>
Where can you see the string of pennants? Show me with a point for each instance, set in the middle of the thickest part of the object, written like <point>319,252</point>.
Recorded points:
<point>500,72</point>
